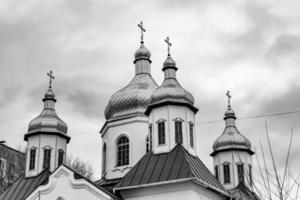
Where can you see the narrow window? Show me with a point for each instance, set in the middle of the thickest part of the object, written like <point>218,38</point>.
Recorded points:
<point>122,151</point>
<point>217,172</point>
<point>250,175</point>
<point>178,132</point>
<point>161,133</point>
<point>47,158</point>
<point>240,170</point>
<point>147,144</point>
<point>226,170</point>
<point>11,172</point>
<point>191,127</point>
<point>150,137</point>
<point>32,159</point>
<point>104,159</point>
<point>60,157</point>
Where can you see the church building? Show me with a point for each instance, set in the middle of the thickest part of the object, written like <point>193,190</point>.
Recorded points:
<point>149,147</point>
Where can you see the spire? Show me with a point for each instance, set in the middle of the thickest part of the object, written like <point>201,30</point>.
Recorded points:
<point>229,116</point>
<point>142,55</point>
<point>169,64</point>
<point>48,119</point>
<point>49,97</point>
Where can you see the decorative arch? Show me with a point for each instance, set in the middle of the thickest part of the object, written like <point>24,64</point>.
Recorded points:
<point>60,198</point>
<point>122,150</point>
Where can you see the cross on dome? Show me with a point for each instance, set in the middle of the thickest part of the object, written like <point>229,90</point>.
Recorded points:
<point>167,40</point>
<point>229,97</point>
<point>51,77</point>
<point>140,25</point>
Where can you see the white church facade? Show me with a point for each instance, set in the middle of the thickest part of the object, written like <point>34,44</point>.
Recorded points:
<point>148,147</point>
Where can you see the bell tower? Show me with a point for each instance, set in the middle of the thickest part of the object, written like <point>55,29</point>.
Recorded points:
<point>232,154</point>
<point>46,137</point>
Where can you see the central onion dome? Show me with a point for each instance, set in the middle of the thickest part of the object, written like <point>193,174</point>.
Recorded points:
<point>231,138</point>
<point>170,91</point>
<point>133,99</point>
<point>48,122</point>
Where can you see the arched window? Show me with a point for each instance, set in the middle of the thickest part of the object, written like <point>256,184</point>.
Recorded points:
<point>161,131</point>
<point>60,157</point>
<point>191,129</point>
<point>104,159</point>
<point>226,172</point>
<point>240,171</point>
<point>178,130</point>
<point>122,151</point>
<point>32,154</point>
<point>147,144</point>
<point>47,157</point>
<point>217,172</point>
<point>250,175</point>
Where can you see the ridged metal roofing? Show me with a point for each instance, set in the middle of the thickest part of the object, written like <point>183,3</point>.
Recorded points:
<point>174,165</point>
<point>23,186</point>
<point>132,99</point>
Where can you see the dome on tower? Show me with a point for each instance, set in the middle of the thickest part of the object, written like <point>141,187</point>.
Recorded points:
<point>134,98</point>
<point>170,90</point>
<point>48,121</point>
<point>231,138</point>
<point>142,53</point>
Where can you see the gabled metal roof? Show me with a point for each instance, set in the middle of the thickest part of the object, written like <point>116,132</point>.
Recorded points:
<point>23,186</point>
<point>168,167</point>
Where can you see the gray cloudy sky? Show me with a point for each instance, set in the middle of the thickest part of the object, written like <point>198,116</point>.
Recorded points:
<point>251,48</point>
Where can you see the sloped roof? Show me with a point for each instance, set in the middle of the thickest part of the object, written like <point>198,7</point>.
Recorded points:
<point>242,190</point>
<point>23,186</point>
<point>174,165</point>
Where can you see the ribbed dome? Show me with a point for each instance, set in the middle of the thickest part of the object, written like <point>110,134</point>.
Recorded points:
<point>132,99</point>
<point>142,53</point>
<point>48,121</point>
<point>231,138</point>
<point>170,89</point>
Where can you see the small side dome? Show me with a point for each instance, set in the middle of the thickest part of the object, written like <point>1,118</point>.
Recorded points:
<point>170,90</point>
<point>142,53</point>
<point>48,121</point>
<point>231,138</point>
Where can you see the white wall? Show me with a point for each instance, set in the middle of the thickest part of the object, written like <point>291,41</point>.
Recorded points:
<point>173,191</point>
<point>39,142</point>
<point>234,158</point>
<point>136,129</point>
<point>62,184</point>
<point>169,113</point>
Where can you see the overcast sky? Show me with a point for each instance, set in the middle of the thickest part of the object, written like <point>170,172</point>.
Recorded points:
<point>251,48</point>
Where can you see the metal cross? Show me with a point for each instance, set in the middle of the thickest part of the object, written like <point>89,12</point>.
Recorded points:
<point>140,25</point>
<point>229,97</point>
<point>51,77</point>
<point>167,40</point>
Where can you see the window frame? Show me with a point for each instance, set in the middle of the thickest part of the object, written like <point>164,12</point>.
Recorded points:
<point>240,172</point>
<point>161,132</point>
<point>61,154</point>
<point>226,176</point>
<point>191,134</point>
<point>178,123</point>
<point>47,158</point>
<point>123,151</point>
<point>32,158</point>
<point>216,172</point>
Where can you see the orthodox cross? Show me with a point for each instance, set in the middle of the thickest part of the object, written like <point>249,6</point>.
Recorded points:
<point>140,25</point>
<point>229,97</point>
<point>167,40</point>
<point>51,77</point>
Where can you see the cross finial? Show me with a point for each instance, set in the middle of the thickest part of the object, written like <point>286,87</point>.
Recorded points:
<point>51,77</point>
<point>167,40</point>
<point>140,25</point>
<point>229,97</point>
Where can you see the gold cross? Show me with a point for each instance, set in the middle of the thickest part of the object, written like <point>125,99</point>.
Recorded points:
<point>229,97</point>
<point>167,40</point>
<point>51,77</point>
<point>140,25</point>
